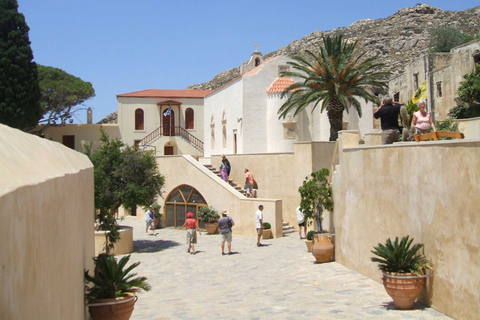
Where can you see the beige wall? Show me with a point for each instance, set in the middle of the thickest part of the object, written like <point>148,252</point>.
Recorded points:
<point>469,127</point>
<point>84,134</point>
<point>428,190</point>
<point>46,196</point>
<point>179,170</point>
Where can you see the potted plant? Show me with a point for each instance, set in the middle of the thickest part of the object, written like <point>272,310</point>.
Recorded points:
<point>403,270</point>
<point>112,295</point>
<point>316,195</point>
<point>210,217</point>
<point>157,216</point>
<point>267,231</point>
<point>309,240</point>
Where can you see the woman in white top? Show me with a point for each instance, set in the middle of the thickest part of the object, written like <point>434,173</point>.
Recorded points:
<point>422,120</point>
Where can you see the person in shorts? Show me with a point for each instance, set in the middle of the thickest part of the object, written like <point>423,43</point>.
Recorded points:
<point>225,225</point>
<point>301,223</point>
<point>259,224</point>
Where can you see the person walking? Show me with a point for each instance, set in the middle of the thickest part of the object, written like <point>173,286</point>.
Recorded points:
<point>149,220</point>
<point>227,164</point>
<point>388,113</point>
<point>223,170</point>
<point>192,225</point>
<point>259,224</point>
<point>248,183</point>
<point>301,223</point>
<point>225,225</point>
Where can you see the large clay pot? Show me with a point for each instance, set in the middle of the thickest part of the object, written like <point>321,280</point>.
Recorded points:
<point>211,227</point>
<point>404,288</point>
<point>309,244</point>
<point>112,309</point>
<point>267,234</point>
<point>322,248</point>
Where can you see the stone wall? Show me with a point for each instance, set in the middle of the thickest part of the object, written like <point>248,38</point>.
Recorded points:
<point>47,202</point>
<point>428,190</point>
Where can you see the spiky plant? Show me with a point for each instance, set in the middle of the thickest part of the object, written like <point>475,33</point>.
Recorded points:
<point>111,280</point>
<point>400,257</point>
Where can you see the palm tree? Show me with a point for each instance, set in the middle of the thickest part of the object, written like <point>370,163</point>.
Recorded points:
<point>334,76</point>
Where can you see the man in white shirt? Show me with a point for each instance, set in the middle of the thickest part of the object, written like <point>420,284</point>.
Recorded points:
<point>149,220</point>
<point>301,223</point>
<point>259,224</point>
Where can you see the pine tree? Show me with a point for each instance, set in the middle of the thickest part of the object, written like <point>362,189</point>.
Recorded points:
<point>19,90</point>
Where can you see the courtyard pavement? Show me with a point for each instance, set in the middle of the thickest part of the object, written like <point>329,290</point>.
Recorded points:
<point>277,281</point>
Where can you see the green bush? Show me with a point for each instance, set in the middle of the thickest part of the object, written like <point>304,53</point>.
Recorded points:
<point>208,214</point>
<point>444,38</point>
<point>267,226</point>
<point>310,235</point>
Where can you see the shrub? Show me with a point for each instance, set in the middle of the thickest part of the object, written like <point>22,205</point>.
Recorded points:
<point>444,38</point>
<point>267,226</point>
<point>208,214</point>
<point>310,235</point>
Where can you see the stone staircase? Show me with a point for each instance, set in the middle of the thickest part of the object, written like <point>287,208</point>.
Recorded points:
<point>230,182</point>
<point>287,228</point>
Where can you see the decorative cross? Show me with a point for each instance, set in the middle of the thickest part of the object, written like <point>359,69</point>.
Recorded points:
<point>256,47</point>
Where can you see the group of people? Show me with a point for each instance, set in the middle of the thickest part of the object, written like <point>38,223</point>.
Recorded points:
<point>225,225</point>
<point>388,113</point>
<point>225,169</point>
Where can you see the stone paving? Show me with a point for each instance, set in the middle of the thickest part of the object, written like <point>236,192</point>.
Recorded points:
<point>278,281</point>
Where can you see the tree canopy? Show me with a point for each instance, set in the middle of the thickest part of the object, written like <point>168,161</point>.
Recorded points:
<point>468,96</point>
<point>61,93</point>
<point>334,76</point>
<point>122,176</point>
<point>19,90</point>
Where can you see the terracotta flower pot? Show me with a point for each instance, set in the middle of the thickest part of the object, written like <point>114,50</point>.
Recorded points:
<point>267,234</point>
<point>322,248</point>
<point>211,227</point>
<point>112,309</point>
<point>309,244</point>
<point>404,288</point>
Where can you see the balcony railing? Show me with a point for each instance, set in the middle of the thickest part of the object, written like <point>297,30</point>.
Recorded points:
<point>172,131</point>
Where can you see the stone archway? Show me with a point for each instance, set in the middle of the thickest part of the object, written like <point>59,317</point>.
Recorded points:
<point>181,200</point>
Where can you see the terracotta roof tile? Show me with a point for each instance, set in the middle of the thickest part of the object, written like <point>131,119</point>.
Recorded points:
<point>158,93</point>
<point>280,85</point>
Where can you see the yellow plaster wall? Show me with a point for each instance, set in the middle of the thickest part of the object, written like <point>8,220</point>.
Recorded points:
<point>428,190</point>
<point>46,234</point>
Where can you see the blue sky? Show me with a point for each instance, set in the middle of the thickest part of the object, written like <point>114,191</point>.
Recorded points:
<point>122,46</point>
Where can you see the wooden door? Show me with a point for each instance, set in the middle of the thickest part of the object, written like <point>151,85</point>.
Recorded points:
<point>169,124</point>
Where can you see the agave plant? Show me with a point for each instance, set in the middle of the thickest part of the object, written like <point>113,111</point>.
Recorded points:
<point>400,257</point>
<point>111,280</point>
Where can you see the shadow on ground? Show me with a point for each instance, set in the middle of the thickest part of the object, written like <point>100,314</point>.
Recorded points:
<point>391,306</point>
<point>148,246</point>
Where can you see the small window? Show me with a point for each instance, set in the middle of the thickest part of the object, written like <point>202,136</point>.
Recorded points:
<point>396,96</point>
<point>476,57</point>
<point>257,62</point>
<point>415,81</point>
<point>189,119</point>
<point>139,124</point>
<point>439,89</point>
<point>69,141</point>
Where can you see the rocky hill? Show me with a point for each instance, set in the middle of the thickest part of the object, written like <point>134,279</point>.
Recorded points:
<point>396,40</point>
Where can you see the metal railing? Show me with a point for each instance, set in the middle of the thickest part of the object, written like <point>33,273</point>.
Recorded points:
<point>172,131</point>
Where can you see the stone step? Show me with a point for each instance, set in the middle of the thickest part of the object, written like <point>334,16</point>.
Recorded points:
<point>289,231</point>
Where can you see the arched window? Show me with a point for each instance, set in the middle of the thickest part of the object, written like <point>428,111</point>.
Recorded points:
<point>181,200</point>
<point>139,122</point>
<point>189,119</point>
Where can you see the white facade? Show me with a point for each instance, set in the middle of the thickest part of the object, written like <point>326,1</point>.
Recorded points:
<point>242,117</point>
<point>142,113</point>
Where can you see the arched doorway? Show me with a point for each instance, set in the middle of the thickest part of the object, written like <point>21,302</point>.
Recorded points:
<point>181,200</point>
